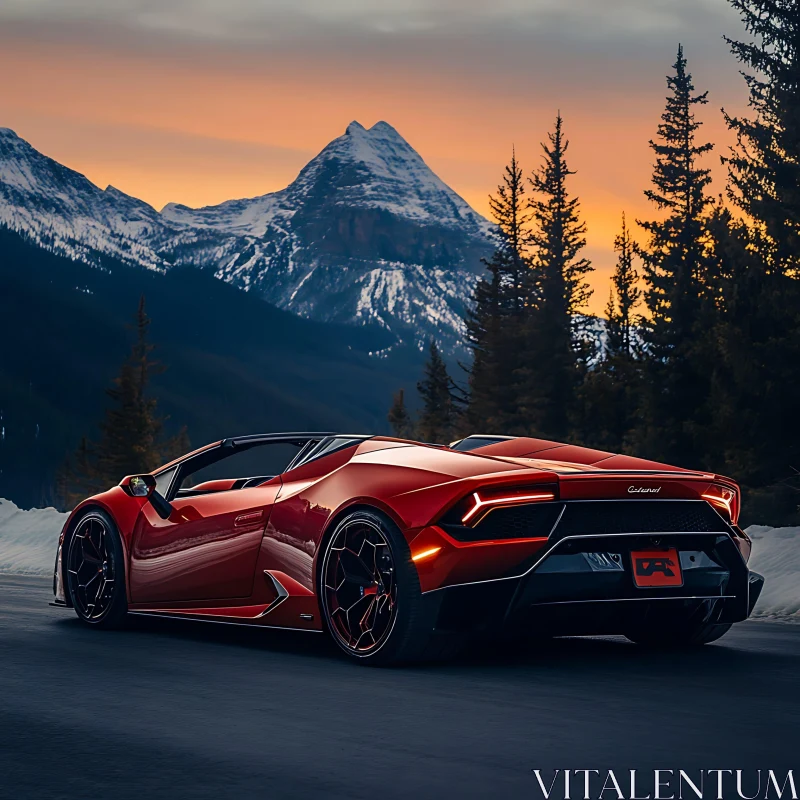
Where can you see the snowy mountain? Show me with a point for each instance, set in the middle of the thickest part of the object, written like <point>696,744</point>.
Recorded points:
<point>61,209</point>
<point>366,233</point>
<point>373,168</point>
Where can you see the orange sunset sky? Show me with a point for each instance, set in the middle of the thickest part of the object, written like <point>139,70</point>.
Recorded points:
<point>199,101</point>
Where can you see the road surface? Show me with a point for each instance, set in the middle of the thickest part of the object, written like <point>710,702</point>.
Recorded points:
<point>174,709</point>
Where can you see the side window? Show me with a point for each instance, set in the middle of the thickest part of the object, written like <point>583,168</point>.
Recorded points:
<point>235,468</point>
<point>164,481</point>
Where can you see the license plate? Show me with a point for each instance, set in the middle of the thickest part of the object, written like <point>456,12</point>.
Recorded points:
<point>656,568</point>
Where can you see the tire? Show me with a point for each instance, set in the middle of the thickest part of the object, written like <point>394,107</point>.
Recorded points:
<point>370,595</point>
<point>665,630</point>
<point>95,572</point>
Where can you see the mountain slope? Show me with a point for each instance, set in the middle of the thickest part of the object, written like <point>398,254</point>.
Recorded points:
<point>62,209</point>
<point>235,363</point>
<point>367,233</point>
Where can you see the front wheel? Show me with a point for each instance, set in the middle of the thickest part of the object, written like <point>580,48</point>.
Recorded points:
<point>96,572</point>
<point>370,593</point>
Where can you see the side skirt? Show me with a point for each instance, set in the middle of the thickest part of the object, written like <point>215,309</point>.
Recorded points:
<point>216,621</point>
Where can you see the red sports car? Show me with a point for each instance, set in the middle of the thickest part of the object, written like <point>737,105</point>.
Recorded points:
<point>400,550</point>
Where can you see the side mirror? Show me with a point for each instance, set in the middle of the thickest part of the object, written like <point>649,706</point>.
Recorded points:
<point>141,485</point>
<point>145,486</point>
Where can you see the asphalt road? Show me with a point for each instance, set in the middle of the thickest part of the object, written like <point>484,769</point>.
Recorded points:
<point>172,709</point>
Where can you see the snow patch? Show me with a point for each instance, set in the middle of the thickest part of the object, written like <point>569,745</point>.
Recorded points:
<point>776,555</point>
<point>29,539</point>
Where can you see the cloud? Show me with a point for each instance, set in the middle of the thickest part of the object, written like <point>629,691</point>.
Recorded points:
<point>513,45</point>
<point>272,20</point>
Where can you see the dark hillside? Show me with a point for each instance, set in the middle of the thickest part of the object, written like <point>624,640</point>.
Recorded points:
<point>235,363</point>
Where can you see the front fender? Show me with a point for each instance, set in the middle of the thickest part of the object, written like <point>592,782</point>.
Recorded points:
<point>121,507</point>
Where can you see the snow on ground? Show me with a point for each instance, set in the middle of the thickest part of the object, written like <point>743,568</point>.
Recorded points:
<point>28,541</point>
<point>776,555</point>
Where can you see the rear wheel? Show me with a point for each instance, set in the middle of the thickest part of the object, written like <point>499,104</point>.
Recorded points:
<point>96,572</point>
<point>695,627</point>
<point>370,593</point>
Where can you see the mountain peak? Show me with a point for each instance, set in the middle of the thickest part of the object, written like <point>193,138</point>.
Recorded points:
<point>374,168</point>
<point>377,168</point>
<point>12,142</point>
<point>380,131</point>
<point>123,198</point>
<point>380,127</point>
<point>384,128</point>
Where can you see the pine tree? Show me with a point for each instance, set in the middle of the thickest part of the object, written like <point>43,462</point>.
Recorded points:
<point>557,292</point>
<point>131,429</point>
<point>441,401</point>
<point>764,168</point>
<point>678,295</point>
<point>509,212</point>
<point>609,394</point>
<point>624,297</point>
<point>399,418</point>
<point>757,392</point>
<point>495,319</point>
<point>131,440</point>
<point>559,235</point>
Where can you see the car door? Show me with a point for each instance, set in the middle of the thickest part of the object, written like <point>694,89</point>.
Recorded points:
<point>206,550</point>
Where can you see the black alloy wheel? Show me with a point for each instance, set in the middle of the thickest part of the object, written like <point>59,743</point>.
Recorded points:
<point>95,571</point>
<point>371,598</point>
<point>359,586</point>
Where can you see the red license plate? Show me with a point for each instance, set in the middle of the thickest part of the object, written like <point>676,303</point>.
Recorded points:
<point>656,568</point>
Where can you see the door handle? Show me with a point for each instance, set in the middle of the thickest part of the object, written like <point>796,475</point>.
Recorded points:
<point>248,519</point>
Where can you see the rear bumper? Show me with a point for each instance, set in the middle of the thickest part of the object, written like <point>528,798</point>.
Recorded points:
<point>584,584</point>
<point>755,585</point>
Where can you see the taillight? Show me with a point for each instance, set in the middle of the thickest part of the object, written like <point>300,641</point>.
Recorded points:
<point>473,508</point>
<point>725,499</point>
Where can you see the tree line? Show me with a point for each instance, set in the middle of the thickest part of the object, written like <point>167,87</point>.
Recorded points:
<point>699,363</point>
